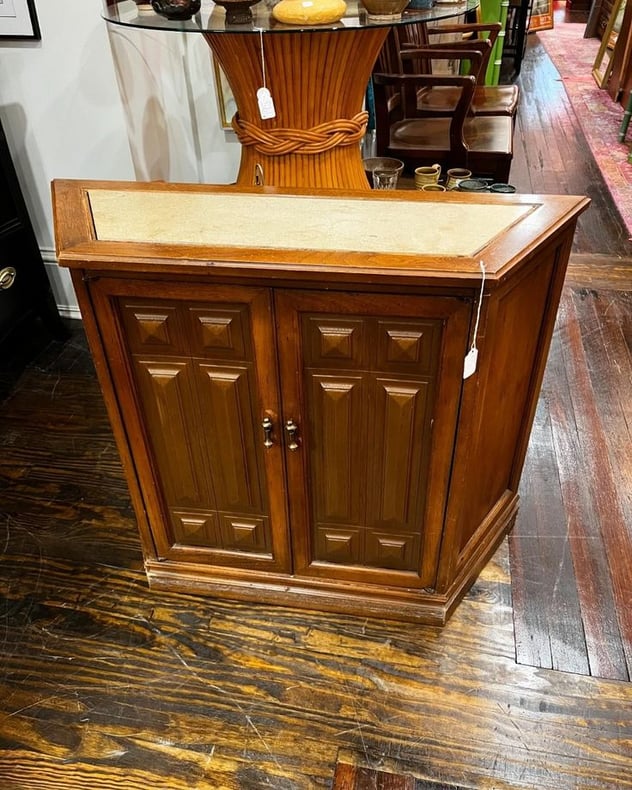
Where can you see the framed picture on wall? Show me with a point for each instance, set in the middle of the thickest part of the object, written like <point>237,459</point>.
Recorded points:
<point>18,19</point>
<point>541,15</point>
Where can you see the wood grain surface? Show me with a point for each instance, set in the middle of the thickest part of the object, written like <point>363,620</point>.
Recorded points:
<point>106,685</point>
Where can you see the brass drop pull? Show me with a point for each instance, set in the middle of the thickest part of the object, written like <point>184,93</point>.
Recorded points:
<point>266,424</point>
<point>292,429</point>
<point>7,277</point>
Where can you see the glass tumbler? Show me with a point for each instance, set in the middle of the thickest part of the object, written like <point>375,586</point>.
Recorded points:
<point>385,179</point>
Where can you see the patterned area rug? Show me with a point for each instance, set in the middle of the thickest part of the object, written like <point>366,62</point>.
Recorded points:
<point>600,117</point>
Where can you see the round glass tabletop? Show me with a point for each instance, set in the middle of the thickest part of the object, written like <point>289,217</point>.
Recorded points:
<point>212,18</point>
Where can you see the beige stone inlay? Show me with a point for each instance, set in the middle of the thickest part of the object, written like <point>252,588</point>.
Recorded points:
<point>300,223</point>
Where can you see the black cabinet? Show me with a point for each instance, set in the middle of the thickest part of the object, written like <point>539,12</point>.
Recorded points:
<point>25,291</point>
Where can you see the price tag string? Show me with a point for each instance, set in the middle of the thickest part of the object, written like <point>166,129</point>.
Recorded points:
<point>471,358</point>
<point>264,97</point>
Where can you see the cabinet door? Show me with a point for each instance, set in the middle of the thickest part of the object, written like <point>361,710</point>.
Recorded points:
<point>372,384</point>
<point>197,376</point>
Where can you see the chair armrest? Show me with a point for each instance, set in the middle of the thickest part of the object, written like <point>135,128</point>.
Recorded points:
<point>474,56</point>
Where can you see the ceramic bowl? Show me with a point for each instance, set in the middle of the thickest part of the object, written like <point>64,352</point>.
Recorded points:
<point>237,11</point>
<point>385,9</point>
<point>176,9</point>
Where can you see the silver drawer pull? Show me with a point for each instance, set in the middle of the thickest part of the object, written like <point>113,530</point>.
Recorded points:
<point>266,424</point>
<point>292,429</point>
<point>7,277</point>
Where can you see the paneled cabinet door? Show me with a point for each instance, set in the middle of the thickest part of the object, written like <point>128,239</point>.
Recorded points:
<point>199,378</point>
<point>371,388</point>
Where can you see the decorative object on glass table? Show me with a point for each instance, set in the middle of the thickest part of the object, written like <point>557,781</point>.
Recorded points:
<point>237,11</point>
<point>384,10</point>
<point>309,12</point>
<point>176,9</point>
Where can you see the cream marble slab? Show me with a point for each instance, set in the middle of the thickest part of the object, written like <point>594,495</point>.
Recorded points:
<point>300,223</point>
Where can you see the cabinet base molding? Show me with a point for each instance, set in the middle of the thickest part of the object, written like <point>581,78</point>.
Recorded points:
<point>410,605</point>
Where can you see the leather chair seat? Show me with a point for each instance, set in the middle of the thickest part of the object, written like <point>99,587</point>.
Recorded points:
<point>488,100</point>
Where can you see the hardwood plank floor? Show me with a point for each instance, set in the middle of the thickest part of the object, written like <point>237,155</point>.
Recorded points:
<point>572,541</point>
<point>552,157</point>
<point>104,684</point>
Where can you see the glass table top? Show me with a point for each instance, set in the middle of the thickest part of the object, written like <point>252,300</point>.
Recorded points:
<point>212,18</point>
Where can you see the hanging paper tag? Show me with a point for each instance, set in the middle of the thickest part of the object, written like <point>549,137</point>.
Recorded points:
<point>266,104</point>
<point>469,365</point>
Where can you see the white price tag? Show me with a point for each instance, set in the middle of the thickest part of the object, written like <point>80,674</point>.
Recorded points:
<point>469,366</point>
<point>266,104</point>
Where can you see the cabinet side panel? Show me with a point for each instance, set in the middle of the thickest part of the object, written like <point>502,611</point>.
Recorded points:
<point>498,406</point>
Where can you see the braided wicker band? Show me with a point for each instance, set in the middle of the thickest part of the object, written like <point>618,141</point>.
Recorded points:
<point>324,137</point>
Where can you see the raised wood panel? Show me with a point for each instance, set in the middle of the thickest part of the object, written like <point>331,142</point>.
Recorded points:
<point>400,428</point>
<point>338,459</point>
<point>153,328</point>
<point>406,347</point>
<point>245,533</point>
<point>196,529</point>
<point>227,431</point>
<point>221,333</point>
<point>368,439</point>
<point>167,402</point>
<point>386,550</point>
<point>344,545</point>
<point>335,342</point>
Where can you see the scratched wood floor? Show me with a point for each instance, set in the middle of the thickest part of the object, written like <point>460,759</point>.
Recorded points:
<point>106,685</point>
<point>571,550</point>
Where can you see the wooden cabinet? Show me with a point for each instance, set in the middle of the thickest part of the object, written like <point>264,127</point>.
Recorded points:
<point>293,416</point>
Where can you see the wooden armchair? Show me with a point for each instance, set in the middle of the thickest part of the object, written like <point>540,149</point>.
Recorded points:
<point>487,99</point>
<point>453,138</point>
<point>442,99</point>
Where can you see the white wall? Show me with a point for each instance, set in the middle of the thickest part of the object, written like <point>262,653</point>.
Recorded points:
<point>93,100</point>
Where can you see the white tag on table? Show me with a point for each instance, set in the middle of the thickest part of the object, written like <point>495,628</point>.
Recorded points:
<point>266,104</point>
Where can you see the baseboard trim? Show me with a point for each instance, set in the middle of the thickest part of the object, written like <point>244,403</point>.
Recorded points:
<point>61,285</point>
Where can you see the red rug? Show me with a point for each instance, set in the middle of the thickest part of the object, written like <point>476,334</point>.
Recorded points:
<point>599,117</point>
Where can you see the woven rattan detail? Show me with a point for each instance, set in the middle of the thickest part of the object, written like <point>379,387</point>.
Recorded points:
<point>324,137</point>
